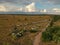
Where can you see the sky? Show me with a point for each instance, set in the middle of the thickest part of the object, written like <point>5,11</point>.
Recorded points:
<point>43,6</point>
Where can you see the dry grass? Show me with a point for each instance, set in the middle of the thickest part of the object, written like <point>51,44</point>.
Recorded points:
<point>7,23</point>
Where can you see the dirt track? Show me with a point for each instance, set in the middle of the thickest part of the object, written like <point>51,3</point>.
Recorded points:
<point>37,38</point>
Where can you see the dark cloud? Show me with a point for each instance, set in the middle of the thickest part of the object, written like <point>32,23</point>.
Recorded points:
<point>8,0</point>
<point>21,2</point>
<point>57,2</point>
<point>27,2</point>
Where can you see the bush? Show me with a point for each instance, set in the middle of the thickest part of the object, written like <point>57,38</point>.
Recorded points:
<point>33,31</point>
<point>16,34</point>
<point>54,29</point>
<point>51,34</point>
<point>46,36</point>
<point>55,18</point>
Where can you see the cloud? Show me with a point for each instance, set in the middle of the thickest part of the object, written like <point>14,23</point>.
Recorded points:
<point>43,10</point>
<point>2,9</point>
<point>56,9</point>
<point>8,0</point>
<point>19,9</point>
<point>56,2</point>
<point>21,2</point>
<point>27,6</point>
<point>30,7</point>
<point>27,2</point>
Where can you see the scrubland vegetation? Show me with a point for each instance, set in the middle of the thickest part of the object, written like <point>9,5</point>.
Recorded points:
<point>52,33</point>
<point>22,29</point>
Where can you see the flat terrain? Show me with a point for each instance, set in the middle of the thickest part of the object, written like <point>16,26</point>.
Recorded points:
<point>23,22</point>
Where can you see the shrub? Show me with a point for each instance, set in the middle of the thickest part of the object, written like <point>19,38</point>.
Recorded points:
<point>17,34</point>
<point>46,36</point>
<point>51,34</point>
<point>55,18</point>
<point>33,31</point>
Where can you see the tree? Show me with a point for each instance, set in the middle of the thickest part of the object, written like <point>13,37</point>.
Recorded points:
<point>46,36</point>
<point>51,34</point>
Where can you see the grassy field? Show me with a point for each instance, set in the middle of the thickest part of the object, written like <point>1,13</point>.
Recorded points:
<point>22,22</point>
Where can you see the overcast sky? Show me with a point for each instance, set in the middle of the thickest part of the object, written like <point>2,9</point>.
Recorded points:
<point>50,6</point>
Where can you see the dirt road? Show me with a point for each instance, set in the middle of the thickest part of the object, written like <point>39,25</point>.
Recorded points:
<point>37,38</point>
